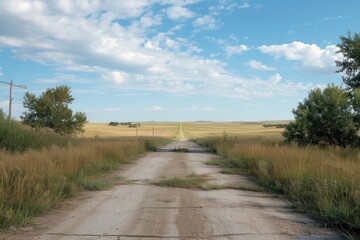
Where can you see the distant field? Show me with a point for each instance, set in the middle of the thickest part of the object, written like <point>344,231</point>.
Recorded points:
<point>166,130</point>
<point>210,129</point>
<point>191,130</point>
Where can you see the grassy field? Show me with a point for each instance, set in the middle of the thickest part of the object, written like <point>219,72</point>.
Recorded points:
<point>214,129</point>
<point>166,130</point>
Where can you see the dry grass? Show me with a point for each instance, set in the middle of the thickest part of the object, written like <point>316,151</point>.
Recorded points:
<point>166,130</point>
<point>325,181</point>
<point>34,181</point>
<point>212,129</point>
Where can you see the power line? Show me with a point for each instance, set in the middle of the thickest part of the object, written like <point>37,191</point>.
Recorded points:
<point>11,84</point>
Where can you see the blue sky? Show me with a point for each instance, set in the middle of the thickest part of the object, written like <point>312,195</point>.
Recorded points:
<point>174,60</point>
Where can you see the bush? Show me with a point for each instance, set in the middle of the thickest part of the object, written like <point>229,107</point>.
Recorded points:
<point>113,123</point>
<point>326,117</point>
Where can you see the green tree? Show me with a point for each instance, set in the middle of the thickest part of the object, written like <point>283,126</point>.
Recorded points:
<point>350,64</point>
<point>51,110</point>
<point>326,117</point>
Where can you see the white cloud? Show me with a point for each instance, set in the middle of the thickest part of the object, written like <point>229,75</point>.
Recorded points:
<point>118,77</point>
<point>258,66</point>
<point>226,5</point>
<point>89,36</point>
<point>276,78</point>
<point>177,12</point>
<point>61,77</point>
<point>206,22</point>
<point>244,5</point>
<point>333,18</point>
<point>154,108</point>
<point>232,50</point>
<point>1,72</point>
<point>112,110</point>
<point>208,109</point>
<point>309,55</point>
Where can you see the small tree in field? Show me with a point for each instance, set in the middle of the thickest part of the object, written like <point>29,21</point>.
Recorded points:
<point>51,110</point>
<point>325,117</point>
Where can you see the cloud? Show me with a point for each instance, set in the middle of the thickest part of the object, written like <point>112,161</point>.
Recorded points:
<point>122,43</point>
<point>270,87</point>
<point>258,66</point>
<point>1,72</point>
<point>154,108</point>
<point>177,12</point>
<point>118,77</point>
<point>208,109</point>
<point>276,78</point>
<point>310,56</point>
<point>333,18</point>
<point>62,77</point>
<point>206,22</point>
<point>233,50</point>
<point>226,5</point>
<point>244,5</point>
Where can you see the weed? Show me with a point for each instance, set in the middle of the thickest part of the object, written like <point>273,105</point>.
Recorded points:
<point>180,149</point>
<point>191,181</point>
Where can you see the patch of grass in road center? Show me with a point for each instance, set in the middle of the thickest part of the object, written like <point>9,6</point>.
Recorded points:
<point>217,186</point>
<point>200,182</point>
<point>192,181</point>
<point>180,150</point>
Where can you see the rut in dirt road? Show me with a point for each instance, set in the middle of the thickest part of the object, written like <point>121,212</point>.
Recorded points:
<point>140,210</point>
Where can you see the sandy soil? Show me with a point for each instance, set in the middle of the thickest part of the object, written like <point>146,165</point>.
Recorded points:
<point>141,210</point>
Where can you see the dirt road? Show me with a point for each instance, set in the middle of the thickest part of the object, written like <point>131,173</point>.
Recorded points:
<point>140,210</point>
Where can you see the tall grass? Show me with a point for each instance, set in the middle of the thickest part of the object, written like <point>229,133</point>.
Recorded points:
<point>34,181</point>
<point>325,181</point>
<point>16,137</point>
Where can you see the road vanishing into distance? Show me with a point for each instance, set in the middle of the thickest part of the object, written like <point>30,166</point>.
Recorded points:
<point>138,209</point>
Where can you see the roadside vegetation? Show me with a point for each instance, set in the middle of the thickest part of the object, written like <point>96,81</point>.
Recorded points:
<point>39,168</point>
<point>325,181</point>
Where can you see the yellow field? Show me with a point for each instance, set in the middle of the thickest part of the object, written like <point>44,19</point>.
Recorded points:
<point>166,130</point>
<point>190,130</point>
<point>209,129</point>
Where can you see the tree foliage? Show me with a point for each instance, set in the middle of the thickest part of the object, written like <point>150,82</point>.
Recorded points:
<point>332,116</point>
<point>350,65</point>
<point>326,117</point>
<point>51,110</point>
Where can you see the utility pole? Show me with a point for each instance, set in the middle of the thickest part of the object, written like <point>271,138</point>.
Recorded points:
<point>11,84</point>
